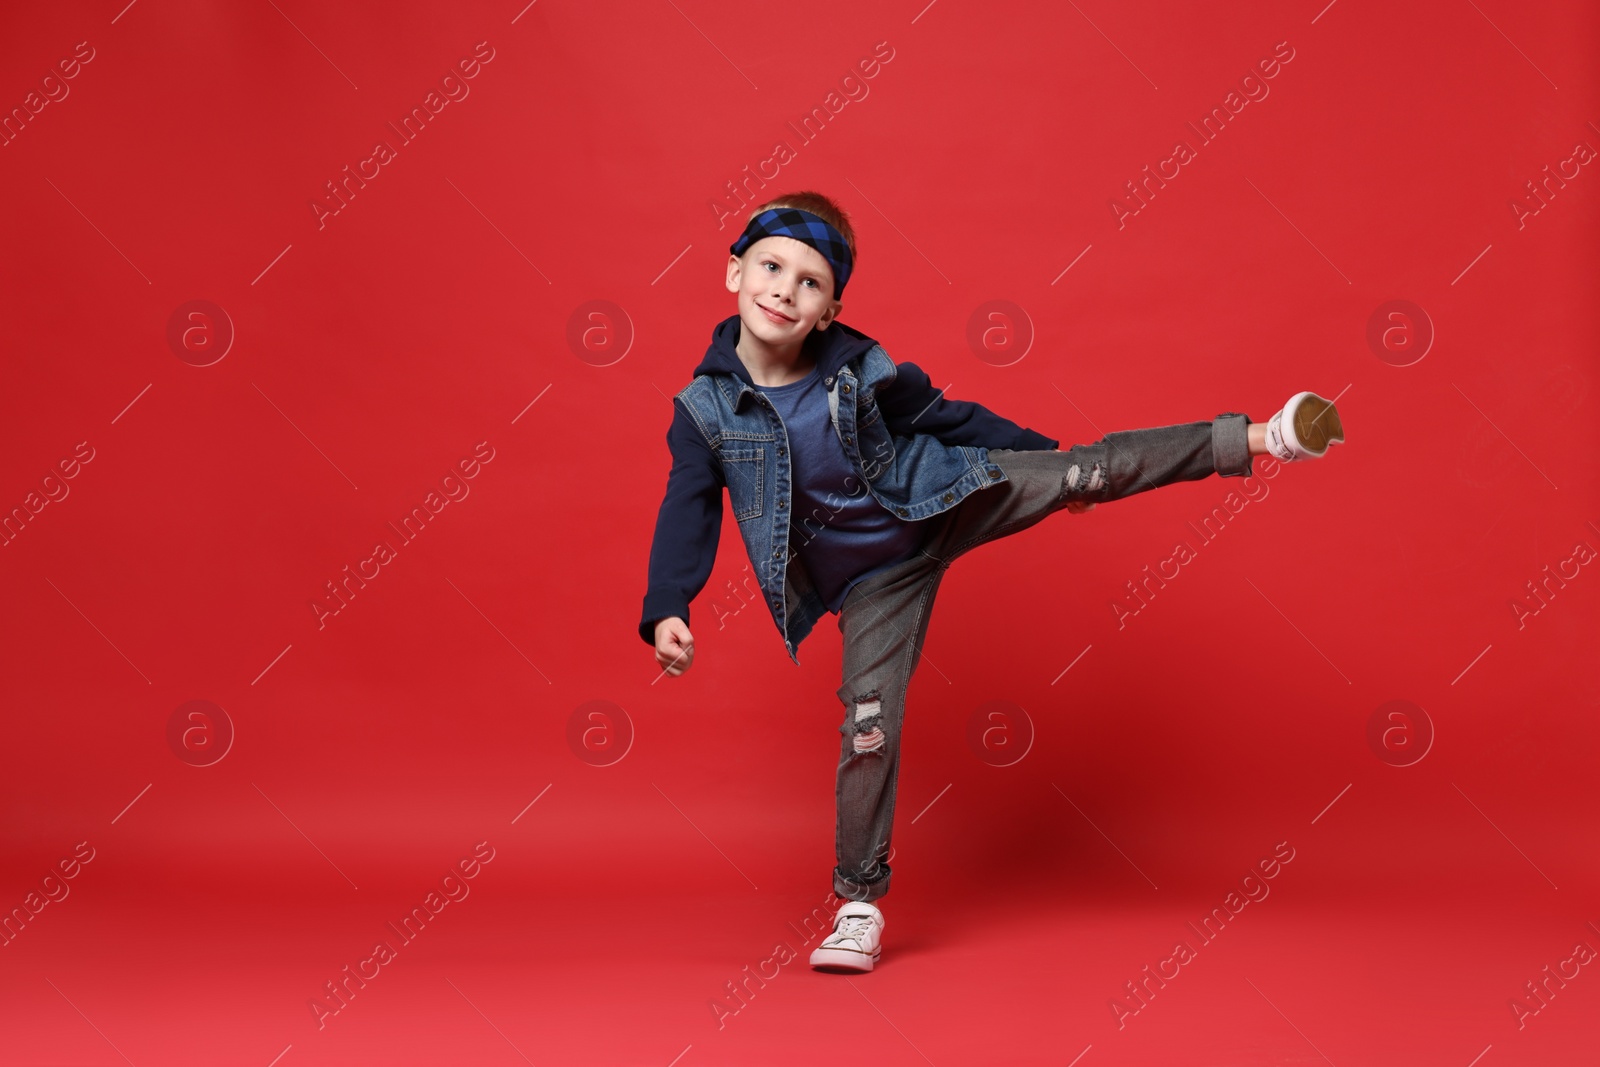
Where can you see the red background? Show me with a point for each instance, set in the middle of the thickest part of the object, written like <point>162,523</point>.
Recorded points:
<point>376,350</point>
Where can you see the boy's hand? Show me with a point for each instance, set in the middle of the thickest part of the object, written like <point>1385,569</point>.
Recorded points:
<point>674,646</point>
<point>1077,507</point>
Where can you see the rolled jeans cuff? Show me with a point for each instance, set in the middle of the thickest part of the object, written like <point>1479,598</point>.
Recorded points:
<point>1230,445</point>
<point>846,889</point>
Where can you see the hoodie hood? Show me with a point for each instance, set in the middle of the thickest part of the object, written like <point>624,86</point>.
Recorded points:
<point>831,348</point>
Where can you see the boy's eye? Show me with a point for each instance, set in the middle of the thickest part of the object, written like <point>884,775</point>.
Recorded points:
<point>809,280</point>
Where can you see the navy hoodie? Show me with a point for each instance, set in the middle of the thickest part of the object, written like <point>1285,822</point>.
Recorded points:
<point>689,524</point>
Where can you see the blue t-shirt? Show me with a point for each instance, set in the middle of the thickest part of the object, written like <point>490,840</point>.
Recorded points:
<point>841,532</point>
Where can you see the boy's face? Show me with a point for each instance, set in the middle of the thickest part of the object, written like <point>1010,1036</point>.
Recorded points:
<point>785,290</point>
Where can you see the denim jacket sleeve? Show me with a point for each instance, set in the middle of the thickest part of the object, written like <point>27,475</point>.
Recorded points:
<point>911,405</point>
<point>688,526</point>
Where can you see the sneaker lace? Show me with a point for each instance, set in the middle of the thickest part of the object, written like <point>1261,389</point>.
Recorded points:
<point>852,928</point>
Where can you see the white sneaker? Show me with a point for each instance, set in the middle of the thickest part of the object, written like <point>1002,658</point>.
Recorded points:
<point>1304,428</point>
<point>856,941</point>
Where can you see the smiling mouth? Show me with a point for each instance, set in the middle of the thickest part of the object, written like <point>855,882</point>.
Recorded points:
<point>777,315</point>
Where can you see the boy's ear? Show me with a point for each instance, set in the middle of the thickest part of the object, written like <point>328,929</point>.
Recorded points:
<point>734,270</point>
<point>834,307</point>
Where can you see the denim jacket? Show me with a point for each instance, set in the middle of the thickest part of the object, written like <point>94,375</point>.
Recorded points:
<point>917,452</point>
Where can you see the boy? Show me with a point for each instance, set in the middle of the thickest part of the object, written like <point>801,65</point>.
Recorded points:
<point>855,484</point>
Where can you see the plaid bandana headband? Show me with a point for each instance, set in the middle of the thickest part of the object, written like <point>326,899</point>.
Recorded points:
<point>802,226</point>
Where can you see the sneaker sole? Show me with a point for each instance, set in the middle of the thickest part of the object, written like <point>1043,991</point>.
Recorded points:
<point>1317,425</point>
<point>843,959</point>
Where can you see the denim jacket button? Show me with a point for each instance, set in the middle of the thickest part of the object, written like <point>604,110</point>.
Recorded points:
<point>780,451</point>
<point>994,472</point>
<point>949,497</point>
<point>848,439</point>
<point>777,553</point>
<point>844,388</point>
<point>901,511</point>
<point>781,503</point>
<point>827,381</point>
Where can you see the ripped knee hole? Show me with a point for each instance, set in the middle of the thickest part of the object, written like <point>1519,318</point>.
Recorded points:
<point>867,726</point>
<point>1096,477</point>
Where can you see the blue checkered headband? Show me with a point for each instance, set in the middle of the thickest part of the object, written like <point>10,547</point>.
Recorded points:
<point>802,226</point>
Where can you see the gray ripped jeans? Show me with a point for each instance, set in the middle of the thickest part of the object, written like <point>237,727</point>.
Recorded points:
<point>885,618</point>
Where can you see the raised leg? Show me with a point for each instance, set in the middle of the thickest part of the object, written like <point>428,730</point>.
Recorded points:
<point>885,618</point>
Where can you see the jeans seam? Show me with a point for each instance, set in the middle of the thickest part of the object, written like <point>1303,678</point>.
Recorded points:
<point>974,542</point>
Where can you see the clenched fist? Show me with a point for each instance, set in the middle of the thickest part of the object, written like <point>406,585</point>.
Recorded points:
<point>674,645</point>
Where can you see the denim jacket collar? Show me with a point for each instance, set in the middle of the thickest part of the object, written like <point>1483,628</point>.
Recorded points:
<point>831,348</point>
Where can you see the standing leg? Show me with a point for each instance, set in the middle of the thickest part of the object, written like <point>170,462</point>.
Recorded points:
<point>883,622</point>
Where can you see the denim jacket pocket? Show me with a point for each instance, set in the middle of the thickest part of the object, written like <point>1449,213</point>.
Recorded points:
<point>744,469</point>
<point>867,412</point>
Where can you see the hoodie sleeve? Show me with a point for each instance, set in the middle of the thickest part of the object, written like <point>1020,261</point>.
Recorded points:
<point>911,405</point>
<point>688,526</point>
